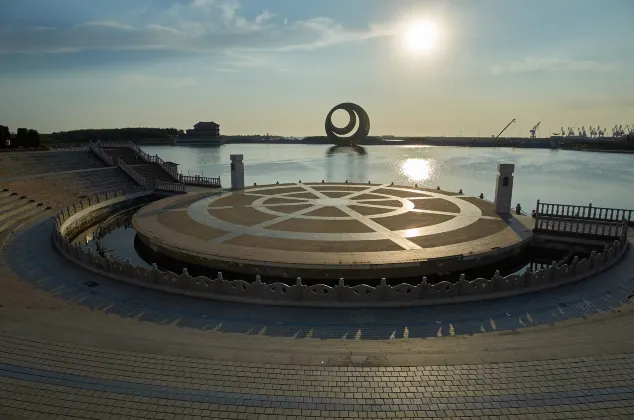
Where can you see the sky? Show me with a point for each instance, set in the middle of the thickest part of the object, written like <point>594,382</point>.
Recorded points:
<point>279,66</point>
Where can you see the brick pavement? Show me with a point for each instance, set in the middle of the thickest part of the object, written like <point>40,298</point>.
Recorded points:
<point>70,381</point>
<point>62,355</point>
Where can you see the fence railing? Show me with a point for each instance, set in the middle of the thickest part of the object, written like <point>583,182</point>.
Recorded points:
<point>192,180</point>
<point>100,153</point>
<point>583,227</point>
<point>133,174</point>
<point>143,155</point>
<point>583,212</point>
<point>169,186</point>
<point>200,180</point>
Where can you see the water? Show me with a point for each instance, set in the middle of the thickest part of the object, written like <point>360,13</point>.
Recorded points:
<point>116,236</point>
<point>118,239</point>
<point>554,176</point>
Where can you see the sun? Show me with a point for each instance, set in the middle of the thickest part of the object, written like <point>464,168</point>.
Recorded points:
<point>420,36</point>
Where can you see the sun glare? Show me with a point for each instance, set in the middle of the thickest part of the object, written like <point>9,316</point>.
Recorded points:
<point>420,36</point>
<point>416,169</point>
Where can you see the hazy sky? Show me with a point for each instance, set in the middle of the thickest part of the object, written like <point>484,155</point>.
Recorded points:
<point>278,66</point>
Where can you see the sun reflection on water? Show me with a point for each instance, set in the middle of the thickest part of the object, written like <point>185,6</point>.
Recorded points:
<point>417,169</point>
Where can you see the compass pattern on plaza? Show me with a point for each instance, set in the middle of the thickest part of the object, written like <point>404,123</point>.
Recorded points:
<point>338,212</point>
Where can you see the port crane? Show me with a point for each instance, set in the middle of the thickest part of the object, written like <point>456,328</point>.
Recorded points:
<point>534,129</point>
<point>504,129</point>
<point>618,131</point>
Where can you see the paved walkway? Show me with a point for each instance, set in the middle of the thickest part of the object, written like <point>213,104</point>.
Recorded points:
<point>76,345</point>
<point>68,281</point>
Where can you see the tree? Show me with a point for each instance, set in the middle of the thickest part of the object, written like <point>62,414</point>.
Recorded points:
<point>5,136</point>
<point>33,138</point>
<point>22,138</point>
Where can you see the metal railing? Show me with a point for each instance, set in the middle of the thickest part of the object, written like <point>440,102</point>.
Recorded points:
<point>169,186</point>
<point>132,173</point>
<point>583,212</point>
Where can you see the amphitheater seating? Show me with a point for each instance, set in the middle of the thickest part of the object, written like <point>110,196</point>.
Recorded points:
<point>152,173</point>
<point>92,182</point>
<point>62,189</point>
<point>16,210</point>
<point>16,164</point>
<point>41,189</point>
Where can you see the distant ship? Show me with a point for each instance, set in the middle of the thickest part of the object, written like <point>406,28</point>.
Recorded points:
<point>203,134</point>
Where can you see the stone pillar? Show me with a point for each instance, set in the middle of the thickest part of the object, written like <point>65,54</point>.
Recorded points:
<point>237,172</point>
<point>504,188</point>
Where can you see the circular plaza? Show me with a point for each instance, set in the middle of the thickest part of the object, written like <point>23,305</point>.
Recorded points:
<point>331,231</point>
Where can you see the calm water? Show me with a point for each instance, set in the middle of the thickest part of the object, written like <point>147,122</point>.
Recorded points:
<point>117,238</point>
<point>555,176</point>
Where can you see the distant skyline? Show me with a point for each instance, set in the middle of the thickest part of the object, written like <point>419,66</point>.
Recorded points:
<point>278,66</point>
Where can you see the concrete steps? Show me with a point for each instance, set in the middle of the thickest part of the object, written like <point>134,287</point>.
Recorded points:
<point>8,200</point>
<point>22,207</point>
<point>16,164</point>
<point>152,173</point>
<point>16,222</point>
<point>5,193</point>
<point>126,155</point>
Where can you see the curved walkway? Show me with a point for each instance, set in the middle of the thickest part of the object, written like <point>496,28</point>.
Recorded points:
<point>68,281</point>
<point>76,345</point>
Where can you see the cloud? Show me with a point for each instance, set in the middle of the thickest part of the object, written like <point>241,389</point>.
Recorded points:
<point>240,59</point>
<point>199,25</point>
<point>532,64</point>
<point>140,80</point>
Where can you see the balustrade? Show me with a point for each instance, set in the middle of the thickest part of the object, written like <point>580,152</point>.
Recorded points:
<point>200,180</point>
<point>94,147</point>
<point>186,179</point>
<point>583,212</point>
<point>341,294</point>
<point>130,171</point>
<point>169,186</point>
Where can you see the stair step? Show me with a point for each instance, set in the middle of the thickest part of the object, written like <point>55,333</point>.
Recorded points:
<point>8,199</point>
<point>9,213</point>
<point>22,218</point>
<point>12,203</point>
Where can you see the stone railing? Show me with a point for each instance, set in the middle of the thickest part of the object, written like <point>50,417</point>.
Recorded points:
<point>132,173</point>
<point>186,179</point>
<point>298,294</point>
<point>99,152</point>
<point>169,186</point>
<point>200,180</point>
<point>580,227</point>
<point>143,155</point>
<point>583,212</point>
<point>79,212</point>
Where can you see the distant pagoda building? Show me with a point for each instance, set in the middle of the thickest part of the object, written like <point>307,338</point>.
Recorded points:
<point>202,133</point>
<point>205,129</point>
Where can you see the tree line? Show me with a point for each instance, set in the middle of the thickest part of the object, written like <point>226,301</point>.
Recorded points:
<point>134,134</point>
<point>25,138</point>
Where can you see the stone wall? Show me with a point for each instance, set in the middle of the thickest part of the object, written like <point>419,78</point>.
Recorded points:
<point>298,294</point>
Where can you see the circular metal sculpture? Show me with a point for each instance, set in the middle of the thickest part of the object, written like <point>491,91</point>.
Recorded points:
<point>335,134</point>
